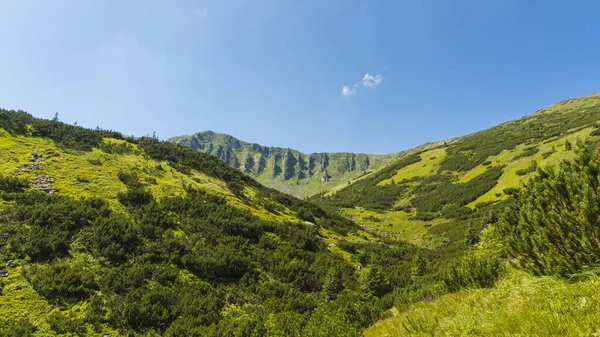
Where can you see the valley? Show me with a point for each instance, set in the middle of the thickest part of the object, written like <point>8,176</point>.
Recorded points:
<point>118,235</point>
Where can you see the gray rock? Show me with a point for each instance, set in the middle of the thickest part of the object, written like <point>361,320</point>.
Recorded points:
<point>9,262</point>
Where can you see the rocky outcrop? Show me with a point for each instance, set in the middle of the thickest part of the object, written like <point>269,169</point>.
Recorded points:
<point>249,163</point>
<point>44,183</point>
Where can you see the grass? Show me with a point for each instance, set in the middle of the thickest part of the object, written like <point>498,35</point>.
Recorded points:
<point>18,300</point>
<point>519,305</point>
<point>510,178</point>
<point>429,165</point>
<point>397,225</point>
<point>94,173</point>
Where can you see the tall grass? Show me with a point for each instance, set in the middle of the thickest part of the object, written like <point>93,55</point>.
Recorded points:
<point>519,305</point>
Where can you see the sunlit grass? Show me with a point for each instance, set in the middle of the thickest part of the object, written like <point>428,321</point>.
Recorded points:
<point>94,173</point>
<point>510,178</point>
<point>429,165</point>
<point>396,225</point>
<point>519,305</point>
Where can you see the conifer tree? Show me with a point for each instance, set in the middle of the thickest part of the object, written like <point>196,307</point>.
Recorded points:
<point>377,284</point>
<point>418,267</point>
<point>553,226</point>
<point>471,236</point>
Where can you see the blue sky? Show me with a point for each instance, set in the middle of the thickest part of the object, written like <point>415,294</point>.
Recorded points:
<point>326,75</point>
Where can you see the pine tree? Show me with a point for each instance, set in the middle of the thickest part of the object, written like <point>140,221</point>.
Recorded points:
<point>376,283</point>
<point>418,267</point>
<point>553,226</point>
<point>471,236</point>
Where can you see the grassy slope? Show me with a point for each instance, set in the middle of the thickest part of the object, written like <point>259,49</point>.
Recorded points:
<point>519,305</point>
<point>402,226</point>
<point>88,174</point>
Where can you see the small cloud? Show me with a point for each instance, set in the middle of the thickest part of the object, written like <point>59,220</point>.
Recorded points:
<point>368,81</point>
<point>347,91</point>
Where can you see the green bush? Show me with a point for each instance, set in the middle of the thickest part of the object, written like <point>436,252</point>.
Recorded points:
<point>553,225</point>
<point>17,328</point>
<point>10,184</point>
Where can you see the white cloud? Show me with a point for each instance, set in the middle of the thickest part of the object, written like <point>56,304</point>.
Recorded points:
<point>368,81</point>
<point>347,91</point>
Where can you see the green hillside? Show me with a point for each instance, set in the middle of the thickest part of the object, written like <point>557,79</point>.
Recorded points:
<point>455,179</point>
<point>287,170</point>
<point>441,199</point>
<point>106,234</point>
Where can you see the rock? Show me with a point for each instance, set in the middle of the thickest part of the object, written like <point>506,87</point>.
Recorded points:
<point>9,263</point>
<point>37,158</point>
<point>44,184</point>
<point>29,168</point>
<point>3,273</point>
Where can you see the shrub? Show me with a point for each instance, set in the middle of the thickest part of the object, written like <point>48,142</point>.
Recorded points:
<point>10,184</point>
<point>553,225</point>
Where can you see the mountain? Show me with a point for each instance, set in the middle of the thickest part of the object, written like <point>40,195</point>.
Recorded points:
<point>284,169</point>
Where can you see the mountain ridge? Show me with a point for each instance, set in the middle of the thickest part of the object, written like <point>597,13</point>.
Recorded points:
<point>285,169</point>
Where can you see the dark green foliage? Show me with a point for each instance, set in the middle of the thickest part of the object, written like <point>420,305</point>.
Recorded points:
<point>547,154</point>
<point>511,190</point>
<point>474,270</point>
<point>568,145</point>
<point>553,226</point>
<point>433,195</point>
<point>377,285</point>
<point>17,328</point>
<point>528,152</point>
<point>455,211</point>
<point>459,162</point>
<point>472,236</point>
<point>174,266</point>
<point>113,237</point>
<point>112,148</point>
<point>131,179</point>
<point>418,267</point>
<point>10,184</point>
<point>69,136</point>
<point>63,324</point>
<point>367,194</point>
<point>530,169</point>
<point>43,225</point>
<point>135,197</point>
<point>425,216</point>
<point>61,280</point>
